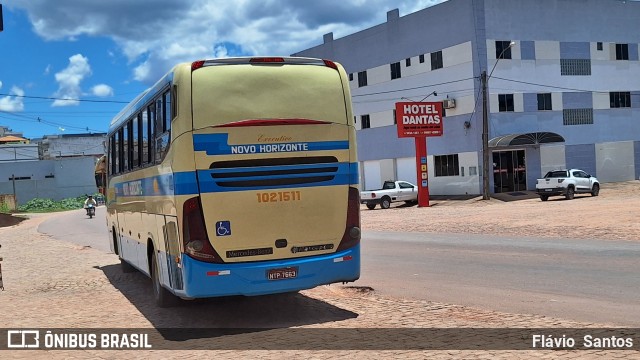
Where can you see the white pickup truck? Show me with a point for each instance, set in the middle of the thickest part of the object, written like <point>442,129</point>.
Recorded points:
<point>392,191</point>
<point>567,183</point>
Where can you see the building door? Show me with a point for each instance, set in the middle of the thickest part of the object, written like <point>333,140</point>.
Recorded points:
<point>509,171</point>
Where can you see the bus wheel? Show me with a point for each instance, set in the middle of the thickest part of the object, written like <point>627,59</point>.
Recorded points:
<point>162,296</point>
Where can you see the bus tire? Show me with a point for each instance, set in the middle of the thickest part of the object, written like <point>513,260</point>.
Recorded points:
<point>163,298</point>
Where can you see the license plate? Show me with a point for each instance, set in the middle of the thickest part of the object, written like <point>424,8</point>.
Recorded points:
<point>281,274</point>
<point>548,189</point>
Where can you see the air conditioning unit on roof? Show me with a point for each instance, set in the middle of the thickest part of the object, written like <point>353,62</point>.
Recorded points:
<point>448,103</point>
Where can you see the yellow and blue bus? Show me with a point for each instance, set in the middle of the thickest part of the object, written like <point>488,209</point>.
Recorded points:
<point>237,176</point>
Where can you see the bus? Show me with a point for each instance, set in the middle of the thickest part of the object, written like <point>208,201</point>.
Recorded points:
<point>237,176</point>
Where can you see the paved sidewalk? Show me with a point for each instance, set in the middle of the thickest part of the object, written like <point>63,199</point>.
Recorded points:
<point>54,284</point>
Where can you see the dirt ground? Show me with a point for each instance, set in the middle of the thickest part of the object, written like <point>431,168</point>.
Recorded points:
<point>613,215</point>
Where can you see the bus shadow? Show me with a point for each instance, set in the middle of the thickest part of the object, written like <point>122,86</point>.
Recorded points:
<point>210,318</point>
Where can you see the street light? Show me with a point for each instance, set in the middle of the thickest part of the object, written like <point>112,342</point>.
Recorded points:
<point>485,126</point>
<point>406,98</point>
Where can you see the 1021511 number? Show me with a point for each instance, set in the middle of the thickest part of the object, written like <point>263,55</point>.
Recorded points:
<point>278,196</point>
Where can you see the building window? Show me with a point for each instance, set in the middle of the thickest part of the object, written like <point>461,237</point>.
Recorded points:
<point>503,50</point>
<point>505,102</point>
<point>362,78</point>
<point>577,116</point>
<point>351,77</point>
<point>620,99</point>
<point>599,45</point>
<point>407,62</point>
<point>447,165</point>
<point>622,51</point>
<point>366,121</point>
<point>544,101</point>
<point>575,67</point>
<point>421,58</point>
<point>436,60</point>
<point>395,71</point>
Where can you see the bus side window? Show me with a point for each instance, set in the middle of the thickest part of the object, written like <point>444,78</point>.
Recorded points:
<point>113,155</point>
<point>167,110</point>
<point>120,145</point>
<point>139,140</point>
<point>151,114</point>
<point>125,148</point>
<point>159,117</point>
<point>132,144</point>
<point>163,124</point>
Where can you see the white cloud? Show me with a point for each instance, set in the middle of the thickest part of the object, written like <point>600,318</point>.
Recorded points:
<point>12,103</point>
<point>102,90</point>
<point>156,37</point>
<point>69,81</point>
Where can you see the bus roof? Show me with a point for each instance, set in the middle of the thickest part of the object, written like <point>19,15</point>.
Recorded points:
<point>145,97</point>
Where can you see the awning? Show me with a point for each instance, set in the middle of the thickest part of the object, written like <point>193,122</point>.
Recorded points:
<point>534,138</point>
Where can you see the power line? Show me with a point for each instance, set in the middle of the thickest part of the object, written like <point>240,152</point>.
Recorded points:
<point>45,122</point>
<point>459,92</point>
<point>412,88</point>
<point>554,86</point>
<point>64,99</point>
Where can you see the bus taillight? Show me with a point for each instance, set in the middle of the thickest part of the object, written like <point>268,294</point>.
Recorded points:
<point>330,64</point>
<point>197,65</point>
<point>194,233</point>
<point>352,232</point>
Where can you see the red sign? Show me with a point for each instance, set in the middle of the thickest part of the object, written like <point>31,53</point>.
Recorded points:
<point>419,119</point>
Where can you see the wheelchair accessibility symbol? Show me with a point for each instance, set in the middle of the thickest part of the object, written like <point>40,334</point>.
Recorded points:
<point>223,228</point>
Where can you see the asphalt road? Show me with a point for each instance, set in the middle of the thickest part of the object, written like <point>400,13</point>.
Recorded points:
<point>581,280</point>
<point>76,227</point>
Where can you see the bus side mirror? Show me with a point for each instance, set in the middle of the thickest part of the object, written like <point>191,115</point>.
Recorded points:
<point>0,17</point>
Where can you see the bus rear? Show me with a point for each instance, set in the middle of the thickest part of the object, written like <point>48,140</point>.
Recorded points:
<point>277,176</point>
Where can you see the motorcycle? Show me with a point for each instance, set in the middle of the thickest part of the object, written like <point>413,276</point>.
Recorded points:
<point>91,211</point>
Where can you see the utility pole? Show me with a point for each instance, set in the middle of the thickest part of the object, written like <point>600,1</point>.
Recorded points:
<point>485,139</point>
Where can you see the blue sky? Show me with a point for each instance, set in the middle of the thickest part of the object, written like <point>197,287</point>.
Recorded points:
<point>68,66</point>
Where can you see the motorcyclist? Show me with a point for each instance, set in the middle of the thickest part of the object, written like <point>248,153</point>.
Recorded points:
<point>90,201</point>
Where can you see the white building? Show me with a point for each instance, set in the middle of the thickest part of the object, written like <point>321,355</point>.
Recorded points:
<point>565,94</point>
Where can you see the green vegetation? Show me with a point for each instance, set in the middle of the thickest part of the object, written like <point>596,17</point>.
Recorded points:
<point>47,205</point>
<point>4,208</point>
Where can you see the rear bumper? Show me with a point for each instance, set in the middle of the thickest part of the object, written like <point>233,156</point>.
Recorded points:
<point>250,279</point>
<point>551,191</point>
